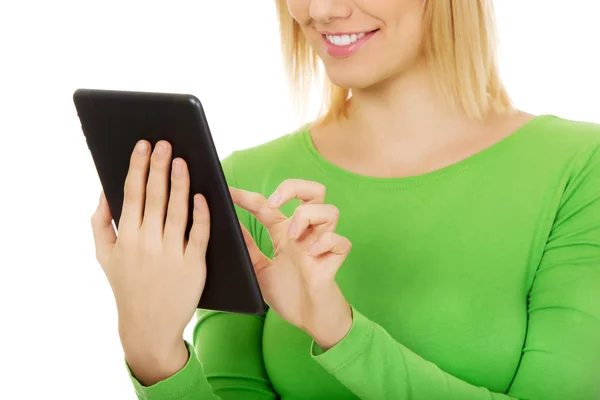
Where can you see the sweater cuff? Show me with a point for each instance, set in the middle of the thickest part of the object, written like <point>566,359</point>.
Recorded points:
<point>349,348</point>
<point>175,386</point>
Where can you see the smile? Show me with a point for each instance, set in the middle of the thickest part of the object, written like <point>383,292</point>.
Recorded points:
<point>342,45</point>
<point>345,40</point>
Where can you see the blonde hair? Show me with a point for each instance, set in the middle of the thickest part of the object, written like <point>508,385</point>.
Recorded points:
<point>459,44</point>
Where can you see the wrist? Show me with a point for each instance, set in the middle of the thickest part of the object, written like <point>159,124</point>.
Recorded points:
<point>138,338</point>
<point>327,338</point>
<point>151,365</point>
<point>330,322</point>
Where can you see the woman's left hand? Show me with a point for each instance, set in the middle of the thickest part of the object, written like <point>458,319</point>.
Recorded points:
<point>298,283</point>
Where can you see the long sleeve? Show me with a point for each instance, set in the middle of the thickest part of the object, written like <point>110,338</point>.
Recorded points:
<point>225,363</point>
<point>561,357</point>
<point>226,356</point>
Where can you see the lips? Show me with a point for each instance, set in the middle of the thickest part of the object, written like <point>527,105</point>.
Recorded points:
<point>342,45</point>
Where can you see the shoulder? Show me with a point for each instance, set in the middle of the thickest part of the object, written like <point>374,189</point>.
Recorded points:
<point>566,135</point>
<point>576,144</point>
<point>254,168</point>
<point>559,146</point>
<point>280,148</point>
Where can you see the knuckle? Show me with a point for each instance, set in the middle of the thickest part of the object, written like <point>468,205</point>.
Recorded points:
<point>335,212</point>
<point>258,202</point>
<point>178,189</point>
<point>328,237</point>
<point>320,187</point>
<point>257,197</point>
<point>193,236</point>
<point>319,190</point>
<point>289,186</point>
<point>194,239</point>
<point>156,167</point>
<point>301,212</point>
<point>152,197</point>
<point>177,217</point>
<point>345,244</point>
<point>149,245</point>
<point>136,165</point>
<point>129,192</point>
<point>126,240</point>
<point>94,219</point>
<point>287,183</point>
<point>98,256</point>
<point>197,235</point>
<point>156,161</point>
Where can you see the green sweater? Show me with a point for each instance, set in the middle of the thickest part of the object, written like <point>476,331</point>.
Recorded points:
<point>480,280</point>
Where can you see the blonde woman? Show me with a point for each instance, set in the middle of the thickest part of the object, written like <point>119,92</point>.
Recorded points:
<point>475,231</point>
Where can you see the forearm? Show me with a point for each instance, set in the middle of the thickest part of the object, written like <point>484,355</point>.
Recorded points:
<point>226,363</point>
<point>374,366</point>
<point>331,318</point>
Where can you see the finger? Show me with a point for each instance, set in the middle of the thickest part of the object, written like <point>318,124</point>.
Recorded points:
<point>330,242</point>
<point>307,191</point>
<point>135,188</point>
<point>177,210</point>
<point>200,232</point>
<point>256,204</point>
<point>157,189</point>
<point>323,216</point>
<point>259,260</point>
<point>103,230</point>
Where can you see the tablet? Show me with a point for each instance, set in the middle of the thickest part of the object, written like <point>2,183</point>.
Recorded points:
<point>114,121</point>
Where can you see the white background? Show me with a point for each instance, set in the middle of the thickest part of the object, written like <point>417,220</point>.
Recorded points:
<point>58,333</point>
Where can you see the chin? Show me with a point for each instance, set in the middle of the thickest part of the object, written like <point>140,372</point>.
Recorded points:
<point>367,75</point>
<point>348,77</point>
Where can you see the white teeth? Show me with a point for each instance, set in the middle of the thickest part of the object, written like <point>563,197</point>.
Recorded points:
<point>344,40</point>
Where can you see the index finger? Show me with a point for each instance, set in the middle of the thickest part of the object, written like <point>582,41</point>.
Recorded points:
<point>256,204</point>
<point>307,191</point>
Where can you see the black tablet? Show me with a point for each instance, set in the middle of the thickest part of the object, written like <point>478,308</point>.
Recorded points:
<point>114,121</point>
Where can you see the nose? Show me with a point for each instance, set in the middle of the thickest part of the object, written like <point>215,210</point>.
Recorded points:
<point>327,10</point>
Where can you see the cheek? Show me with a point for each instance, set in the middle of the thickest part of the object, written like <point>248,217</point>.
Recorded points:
<point>299,10</point>
<point>405,28</point>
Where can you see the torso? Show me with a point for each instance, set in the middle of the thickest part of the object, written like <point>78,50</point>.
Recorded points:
<point>443,260</point>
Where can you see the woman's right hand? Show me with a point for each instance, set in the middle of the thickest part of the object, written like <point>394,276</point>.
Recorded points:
<point>157,277</point>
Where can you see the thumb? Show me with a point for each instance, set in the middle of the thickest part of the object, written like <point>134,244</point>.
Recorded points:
<point>103,230</point>
<point>259,260</point>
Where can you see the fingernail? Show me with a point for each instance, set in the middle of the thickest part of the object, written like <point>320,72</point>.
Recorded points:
<point>177,167</point>
<point>196,202</point>
<point>292,230</point>
<point>274,199</point>
<point>142,147</point>
<point>161,149</point>
<point>312,249</point>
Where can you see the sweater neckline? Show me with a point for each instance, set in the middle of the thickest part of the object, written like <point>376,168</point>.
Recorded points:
<point>337,172</point>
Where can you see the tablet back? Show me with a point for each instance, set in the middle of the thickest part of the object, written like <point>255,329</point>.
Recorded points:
<point>114,121</point>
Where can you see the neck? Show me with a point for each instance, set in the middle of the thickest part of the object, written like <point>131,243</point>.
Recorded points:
<point>407,112</point>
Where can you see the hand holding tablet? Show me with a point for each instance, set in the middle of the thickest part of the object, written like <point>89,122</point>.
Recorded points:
<point>151,199</point>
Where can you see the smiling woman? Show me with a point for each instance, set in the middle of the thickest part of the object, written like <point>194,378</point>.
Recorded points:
<point>456,39</point>
<point>423,239</point>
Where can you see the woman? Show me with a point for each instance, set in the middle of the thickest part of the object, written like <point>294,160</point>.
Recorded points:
<point>475,227</point>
